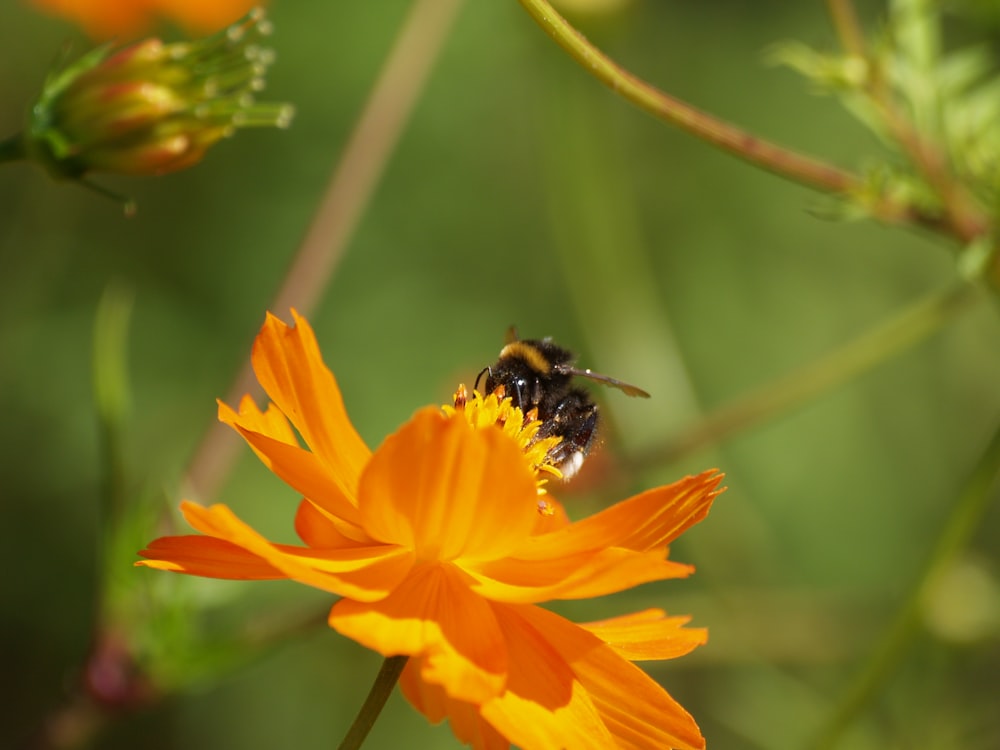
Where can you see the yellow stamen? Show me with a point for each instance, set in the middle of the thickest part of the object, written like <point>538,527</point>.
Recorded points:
<point>497,410</point>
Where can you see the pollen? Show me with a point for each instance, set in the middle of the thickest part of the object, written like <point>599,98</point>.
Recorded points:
<point>496,410</point>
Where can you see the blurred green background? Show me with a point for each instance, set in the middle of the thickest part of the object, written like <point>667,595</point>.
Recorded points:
<point>521,192</point>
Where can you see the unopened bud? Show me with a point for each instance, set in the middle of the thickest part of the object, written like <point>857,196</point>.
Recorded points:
<point>152,108</point>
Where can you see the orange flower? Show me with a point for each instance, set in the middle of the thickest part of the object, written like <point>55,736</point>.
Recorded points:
<point>442,544</point>
<point>107,19</point>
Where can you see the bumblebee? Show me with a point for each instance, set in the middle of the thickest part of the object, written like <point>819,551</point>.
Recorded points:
<point>538,375</point>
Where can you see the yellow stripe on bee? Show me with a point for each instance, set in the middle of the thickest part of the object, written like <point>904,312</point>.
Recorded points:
<point>529,353</point>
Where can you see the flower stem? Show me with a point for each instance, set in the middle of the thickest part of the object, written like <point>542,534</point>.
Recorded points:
<point>800,168</point>
<point>873,347</point>
<point>845,21</point>
<point>12,149</point>
<point>963,217</point>
<point>385,682</point>
<point>966,517</point>
<point>351,186</point>
<point>781,161</point>
<point>111,396</point>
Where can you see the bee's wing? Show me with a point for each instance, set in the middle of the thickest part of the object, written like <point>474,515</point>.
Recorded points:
<point>511,336</point>
<point>627,388</point>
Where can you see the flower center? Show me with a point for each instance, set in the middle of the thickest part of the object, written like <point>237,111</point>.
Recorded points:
<point>496,410</point>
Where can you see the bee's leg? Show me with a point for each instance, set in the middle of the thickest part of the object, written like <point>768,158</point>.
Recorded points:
<point>575,420</point>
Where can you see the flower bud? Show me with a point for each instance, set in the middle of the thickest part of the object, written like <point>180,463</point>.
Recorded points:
<point>152,108</point>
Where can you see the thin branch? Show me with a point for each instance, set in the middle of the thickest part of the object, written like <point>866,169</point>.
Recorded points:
<point>962,216</point>
<point>781,161</point>
<point>845,21</point>
<point>780,395</point>
<point>800,168</point>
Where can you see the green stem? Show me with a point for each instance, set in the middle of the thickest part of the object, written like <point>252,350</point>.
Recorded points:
<point>781,161</point>
<point>12,149</point>
<point>966,517</point>
<point>777,396</point>
<point>963,218</point>
<point>112,399</point>
<point>845,21</point>
<point>771,157</point>
<point>382,688</point>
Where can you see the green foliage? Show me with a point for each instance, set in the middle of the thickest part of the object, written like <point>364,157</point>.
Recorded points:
<point>921,102</point>
<point>520,193</point>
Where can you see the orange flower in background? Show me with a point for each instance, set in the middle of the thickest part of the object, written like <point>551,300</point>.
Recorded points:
<point>123,19</point>
<point>442,544</point>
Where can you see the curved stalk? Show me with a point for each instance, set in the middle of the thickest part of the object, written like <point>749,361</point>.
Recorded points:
<point>911,325</point>
<point>385,682</point>
<point>777,159</point>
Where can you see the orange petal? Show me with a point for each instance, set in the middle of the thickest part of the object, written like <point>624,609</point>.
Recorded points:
<point>616,549</point>
<point>318,528</point>
<point>206,556</point>
<point>554,517</point>
<point>363,573</point>
<point>448,490</point>
<point>302,471</point>
<point>124,18</point>
<point>204,17</point>
<point>544,705</point>
<point>672,510</point>
<point>647,521</point>
<point>566,689</point>
<point>433,702</point>
<point>636,710</point>
<point>581,576</point>
<point>270,422</point>
<point>433,614</point>
<point>648,635</point>
<point>103,19</point>
<point>290,368</point>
